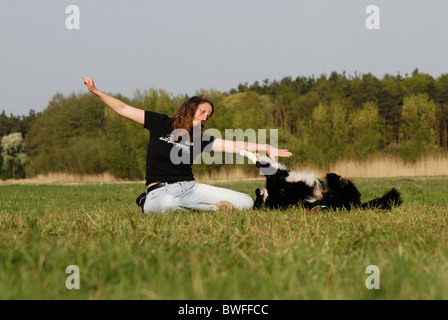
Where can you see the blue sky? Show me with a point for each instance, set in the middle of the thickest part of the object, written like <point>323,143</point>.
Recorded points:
<point>183,46</point>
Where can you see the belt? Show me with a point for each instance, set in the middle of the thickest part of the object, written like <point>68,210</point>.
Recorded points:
<point>156,186</point>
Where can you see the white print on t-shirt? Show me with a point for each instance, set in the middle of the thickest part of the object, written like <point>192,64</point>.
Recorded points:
<point>185,145</point>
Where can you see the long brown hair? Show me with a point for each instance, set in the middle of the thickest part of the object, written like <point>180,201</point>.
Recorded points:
<point>183,118</point>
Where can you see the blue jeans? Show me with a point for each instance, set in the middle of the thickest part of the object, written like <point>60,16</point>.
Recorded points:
<point>192,195</point>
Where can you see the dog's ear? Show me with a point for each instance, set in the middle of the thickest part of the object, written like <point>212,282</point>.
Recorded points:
<point>333,176</point>
<point>333,180</point>
<point>258,192</point>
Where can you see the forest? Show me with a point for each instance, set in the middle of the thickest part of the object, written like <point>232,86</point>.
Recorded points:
<point>322,120</point>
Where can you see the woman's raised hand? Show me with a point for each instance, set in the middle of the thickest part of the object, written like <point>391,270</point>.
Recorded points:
<point>89,84</point>
<point>273,152</point>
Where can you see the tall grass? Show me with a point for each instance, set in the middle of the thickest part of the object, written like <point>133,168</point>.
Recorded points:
<point>293,254</point>
<point>380,166</point>
<point>387,166</point>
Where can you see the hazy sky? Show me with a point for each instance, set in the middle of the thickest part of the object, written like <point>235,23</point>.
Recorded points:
<point>186,45</point>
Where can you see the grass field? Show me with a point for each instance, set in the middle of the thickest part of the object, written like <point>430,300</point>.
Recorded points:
<point>295,254</point>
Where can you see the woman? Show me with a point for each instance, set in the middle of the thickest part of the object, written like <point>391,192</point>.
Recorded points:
<point>173,145</point>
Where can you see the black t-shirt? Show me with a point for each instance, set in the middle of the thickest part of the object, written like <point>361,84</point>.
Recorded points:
<point>169,158</point>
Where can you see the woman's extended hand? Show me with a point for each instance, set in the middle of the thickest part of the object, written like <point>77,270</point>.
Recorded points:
<point>273,152</point>
<point>89,84</point>
<point>118,106</point>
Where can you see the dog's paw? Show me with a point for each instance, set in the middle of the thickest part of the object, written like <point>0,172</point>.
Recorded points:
<point>318,209</point>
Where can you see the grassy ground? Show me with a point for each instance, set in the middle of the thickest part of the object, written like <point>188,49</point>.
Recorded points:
<point>124,254</point>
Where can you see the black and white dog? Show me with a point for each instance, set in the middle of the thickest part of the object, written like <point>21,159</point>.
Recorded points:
<point>285,189</point>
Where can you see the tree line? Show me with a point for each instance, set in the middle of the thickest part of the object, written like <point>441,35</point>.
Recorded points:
<point>321,120</point>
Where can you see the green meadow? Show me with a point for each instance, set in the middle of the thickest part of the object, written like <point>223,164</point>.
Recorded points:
<point>288,255</point>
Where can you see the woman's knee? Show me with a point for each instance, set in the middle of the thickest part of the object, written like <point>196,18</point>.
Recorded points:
<point>248,202</point>
<point>243,201</point>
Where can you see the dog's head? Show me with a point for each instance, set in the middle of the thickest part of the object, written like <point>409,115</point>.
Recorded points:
<point>261,196</point>
<point>264,201</point>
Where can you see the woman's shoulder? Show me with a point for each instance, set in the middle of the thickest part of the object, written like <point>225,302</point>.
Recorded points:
<point>155,119</point>
<point>156,114</point>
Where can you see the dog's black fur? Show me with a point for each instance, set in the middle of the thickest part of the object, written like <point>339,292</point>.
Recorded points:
<point>340,193</point>
<point>286,189</point>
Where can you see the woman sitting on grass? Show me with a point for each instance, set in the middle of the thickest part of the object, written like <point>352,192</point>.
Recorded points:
<point>170,181</point>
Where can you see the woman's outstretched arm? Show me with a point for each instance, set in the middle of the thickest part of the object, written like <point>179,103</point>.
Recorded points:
<point>124,110</point>
<point>220,145</point>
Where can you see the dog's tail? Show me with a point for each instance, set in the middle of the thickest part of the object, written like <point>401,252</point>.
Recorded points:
<point>386,202</point>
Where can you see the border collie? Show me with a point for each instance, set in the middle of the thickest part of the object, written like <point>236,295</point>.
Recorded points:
<point>285,189</point>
